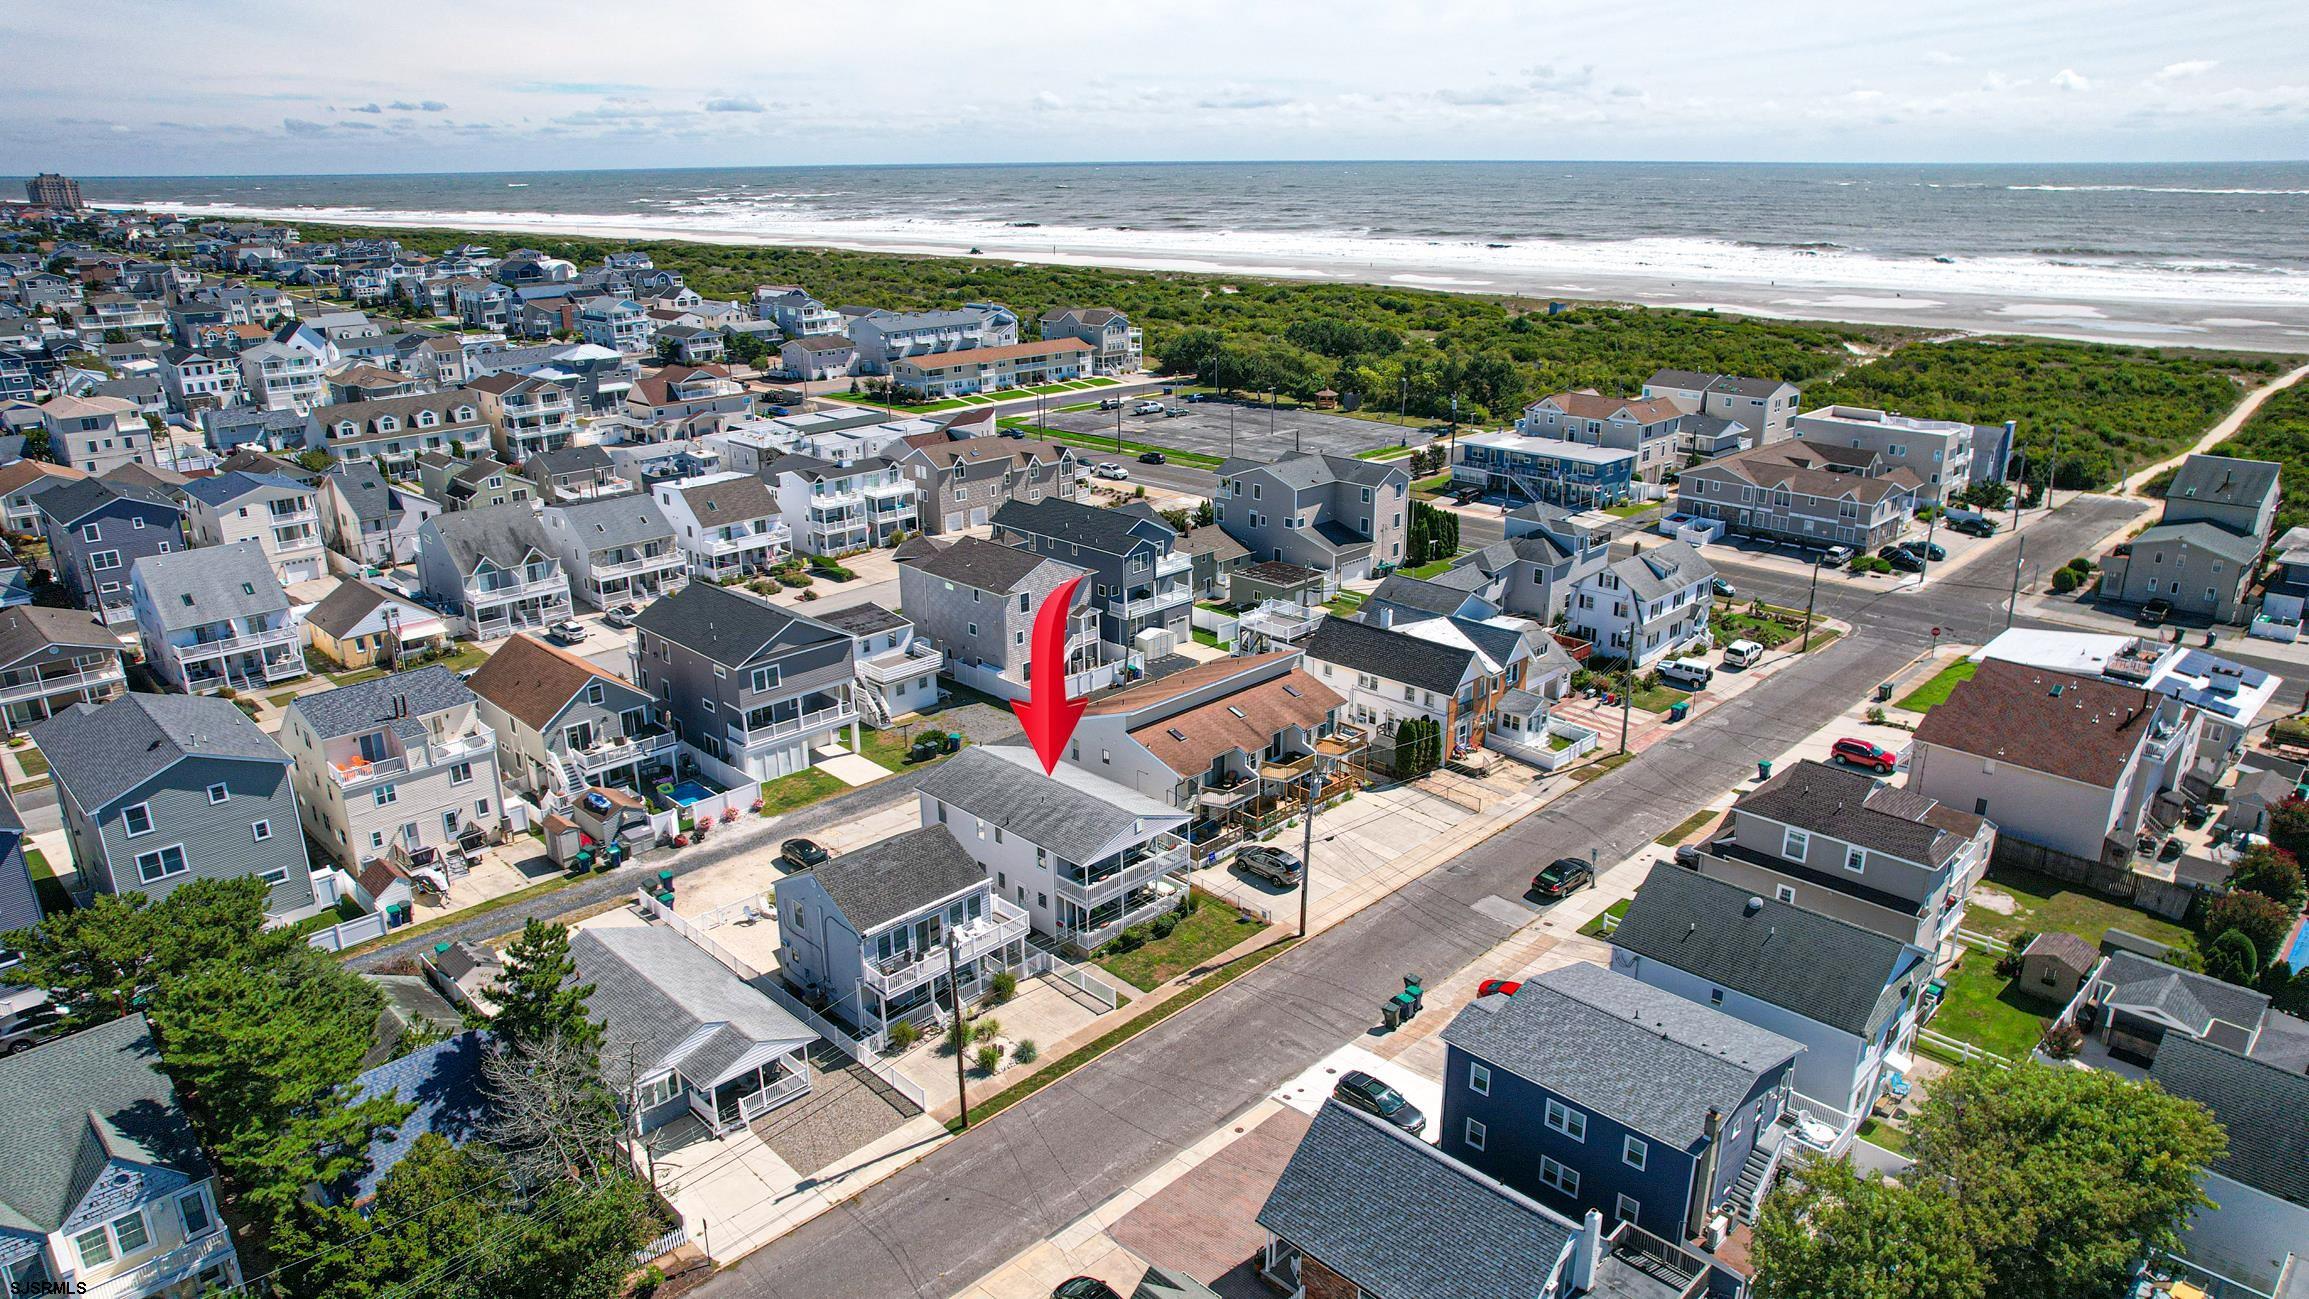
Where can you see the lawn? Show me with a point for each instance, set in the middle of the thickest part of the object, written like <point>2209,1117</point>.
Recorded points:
<point>466,657</point>
<point>54,897</point>
<point>1657,699</point>
<point>1747,626</point>
<point>1632,509</point>
<point>1209,930</point>
<point>34,762</point>
<point>285,698</point>
<point>1687,827</point>
<point>887,748</point>
<point>1432,568</point>
<point>1207,638</point>
<point>801,789</point>
<point>1933,693</point>
<point>1345,603</point>
<point>1610,762</point>
<point>1435,486</point>
<point>1878,1133</point>
<point>1606,920</point>
<point>1385,453</point>
<point>1983,1008</point>
<point>2046,903</point>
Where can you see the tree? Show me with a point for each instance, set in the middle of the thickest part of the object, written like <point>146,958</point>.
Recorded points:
<point>553,1117</point>
<point>1827,1232</point>
<point>2273,873</point>
<point>2263,919</point>
<point>2233,959</point>
<point>2288,826</point>
<point>103,960</point>
<point>538,996</point>
<point>2065,1175</point>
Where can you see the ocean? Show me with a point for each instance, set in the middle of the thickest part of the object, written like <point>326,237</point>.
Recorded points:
<point>2220,250</point>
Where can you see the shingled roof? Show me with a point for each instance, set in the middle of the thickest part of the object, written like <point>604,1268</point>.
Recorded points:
<point>75,1105</point>
<point>1072,812</point>
<point>983,564</point>
<point>1857,809</point>
<point>883,881</point>
<point>2260,1104</point>
<point>2081,728</point>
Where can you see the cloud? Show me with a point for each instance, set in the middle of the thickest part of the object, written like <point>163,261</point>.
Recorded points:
<point>1549,79</point>
<point>577,88</point>
<point>1047,101</point>
<point>2071,79</point>
<point>735,104</point>
<point>1942,58</point>
<point>2186,68</point>
<point>1244,100</point>
<point>421,106</point>
<point>370,107</point>
<point>303,126</point>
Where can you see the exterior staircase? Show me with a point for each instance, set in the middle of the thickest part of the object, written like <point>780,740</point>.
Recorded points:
<point>870,708</point>
<point>1756,1174</point>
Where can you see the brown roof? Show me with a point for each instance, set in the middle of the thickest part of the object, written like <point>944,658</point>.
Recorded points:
<point>533,680</point>
<point>2080,728</point>
<point>979,355</point>
<point>1146,694</point>
<point>2067,948</point>
<point>1798,466</point>
<point>23,472</point>
<point>1589,404</point>
<point>1247,720</point>
<point>379,875</point>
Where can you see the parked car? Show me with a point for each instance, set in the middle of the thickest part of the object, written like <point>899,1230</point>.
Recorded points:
<point>1500,987</point>
<point>1174,410</point>
<point>1835,557</point>
<point>801,854</point>
<point>1865,753</point>
<point>1271,864</point>
<point>1563,877</point>
<point>1969,523</point>
<point>1200,397</point>
<point>1110,403</point>
<point>1109,469</point>
<point>1360,1090</point>
<point>569,631</point>
<point>1904,560</point>
<point>1931,550</point>
<point>1152,458</point>
<point>1083,1287</point>
<point>29,1028</point>
<point>2156,611</point>
<point>1688,856</point>
<point>622,616</point>
<point>1725,589</point>
<point>1743,653</point>
<point>1147,408</point>
<point>1013,432</point>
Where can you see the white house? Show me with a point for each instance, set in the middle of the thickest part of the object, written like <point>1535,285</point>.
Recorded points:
<point>1647,606</point>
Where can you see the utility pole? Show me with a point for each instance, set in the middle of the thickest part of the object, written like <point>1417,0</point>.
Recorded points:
<point>1811,601</point>
<point>961,1037</point>
<point>1118,426</point>
<point>1307,841</point>
<point>2017,558</point>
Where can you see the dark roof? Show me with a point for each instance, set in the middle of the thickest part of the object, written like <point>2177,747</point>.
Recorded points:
<point>506,535</point>
<point>1858,809</point>
<point>863,619</point>
<point>567,460</point>
<point>2204,536</point>
<point>1407,592</point>
<point>2190,997</point>
<point>1641,1056</point>
<point>70,502</point>
<point>363,488</point>
<point>100,752</point>
<point>2223,480</point>
<point>77,1103</point>
<point>2081,728</point>
<point>1849,978</point>
<point>2260,1104</point>
<point>348,710</point>
<point>343,609</point>
<point>444,1082</point>
<point>2069,949</point>
<point>1113,531</point>
<point>1384,652</point>
<point>29,629</point>
<point>1280,572</point>
<point>192,588</point>
<point>729,626</point>
<point>739,496</point>
<point>1072,812</point>
<point>883,881</point>
<point>981,564</point>
<point>1402,1219</point>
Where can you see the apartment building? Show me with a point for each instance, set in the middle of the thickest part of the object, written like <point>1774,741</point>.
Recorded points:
<point>884,338</point>
<point>565,725</point>
<point>391,767</point>
<point>1766,406</point>
<point>1811,493</point>
<point>1940,452</point>
<point>96,435</point>
<point>1546,471</point>
<point>394,432</point>
<point>1140,584</point>
<point>835,508</point>
<point>725,525</point>
<point>51,659</point>
<point>1533,571</point>
<point>97,529</point>
<point>1117,346</point>
<point>1333,514</point>
<point>616,549</point>
<point>578,473</point>
<point>933,375</point>
<point>1645,607</point>
<point>276,376</point>
<point>281,515</point>
<point>750,685</point>
<point>976,602</point>
<point>1648,426</point>
<point>215,618</point>
<point>528,415</point>
<point>816,357</point>
<point>199,381</point>
<point>961,484</point>
<point>619,324</point>
<point>494,568</point>
<point>2204,550</point>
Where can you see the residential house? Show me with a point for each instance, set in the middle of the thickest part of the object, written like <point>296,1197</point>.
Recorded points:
<point>1646,607</point>
<point>215,618</point>
<point>619,324</point>
<point>394,766</point>
<point>679,393</point>
<point>814,357</point>
<point>1945,455</point>
<point>564,725</point>
<point>199,381</point>
<point>1083,857</point>
<point>2065,765</point>
<point>644,465</point>
<point>2134,1007</point>
<point>1648,426</point>
<point>598,377</point>
<point>1533,571</point>
<point>2227,696</point>
<point>872,933</point>
<point>574,474</point>
<point>528,415</point>
<point>357,383</point>
<point>2260,1187</point>
<point>494,568</point>
<point>750,685</point>
<point>1834,841</point>
<point>695,1040</point>
<point>361,624</point>
<point>1514,467</point>
<point>897,675</point>
<point>97,530</point>
<point>446,1090</point>
<point>1766,406</point>
<point>691,344</point>
<point>108,1193</point>
<point>797,313</point>
<point>15,579</point>
<point>281,515</point>
<point>834,508</point>
<point>1140,588</point>
<point>21,483</point>
<point>1117,346</point>
<point>19,898</point>
<point>369,520</point>
<point>1334,514</point>
<point>277,376</point>
<point>95,434</point>
<point>1213,558</point>
<point>396,431</point>
<point>1653,1109</point>
<point>616,549</point>
<point>51,659</point>
<point>1848,993</point>
<point>961,484</point>
<point>155,790</point>
<point>231,428</point>
<point>476,484</point>
<point>884,337</point>
<point>1450,671</point>
<point>1811,493</point>
<point>2202,554</point>
<point>725,525</point>
<point>976,603</point>
<point>934,375</point>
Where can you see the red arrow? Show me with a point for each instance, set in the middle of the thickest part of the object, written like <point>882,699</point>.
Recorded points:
<point>1047,714</point>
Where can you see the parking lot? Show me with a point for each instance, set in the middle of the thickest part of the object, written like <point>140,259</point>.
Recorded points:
<point>1791,559</point>
<point>1205,429</point>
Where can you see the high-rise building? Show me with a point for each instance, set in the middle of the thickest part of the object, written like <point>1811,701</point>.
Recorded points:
<point>51,190</point>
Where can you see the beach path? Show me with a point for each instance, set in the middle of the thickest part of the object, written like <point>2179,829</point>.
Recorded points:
<point>2220,432</point>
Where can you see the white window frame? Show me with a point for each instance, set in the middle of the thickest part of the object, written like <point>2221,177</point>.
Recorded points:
<point>198,1197</point>
<point>1558,1177</point>
<point>1626,1208</point>
<point>184,863</point>
<point>1855,858</point>
<point>1476,1134</point>
<point>261,830</point>
<point>219,792</point>
<point>130,828</point>
<point>1635,1152</point>
<point>1785,893</point>
<point>1479,1078</point>
<point>1795,844</point>
<point>1561,1118</point>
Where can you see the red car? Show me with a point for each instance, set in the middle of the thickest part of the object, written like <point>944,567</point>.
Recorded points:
<point>1503,987</point>
<point>1863,753</point>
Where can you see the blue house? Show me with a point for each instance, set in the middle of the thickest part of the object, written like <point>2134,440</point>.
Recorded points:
<point>97,529</point>
<point>1544,470</point>
<point>1590,1090</point>
<point>444,1083</point>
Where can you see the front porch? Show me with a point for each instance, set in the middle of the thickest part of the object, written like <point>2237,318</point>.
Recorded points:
<point>749,1090</point>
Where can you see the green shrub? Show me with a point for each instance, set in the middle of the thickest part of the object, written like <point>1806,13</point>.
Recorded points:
<point>2081,564</point>
<point>988,1029</point>
<point>1005,986</point>
<point>1165,923</point>
<point>989,1057</point>
<point>2065,580</point>
<point>1026,1052</point>
<point>903,1035</point>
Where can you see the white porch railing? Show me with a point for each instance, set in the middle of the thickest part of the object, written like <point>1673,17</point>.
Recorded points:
<point>867,1053</point>
<point>60,682</point>
<point>822,720</point>
<point>791,1087</point>
<point>1005,924</point>
<point>1092,939</point>
<point>901,665</point>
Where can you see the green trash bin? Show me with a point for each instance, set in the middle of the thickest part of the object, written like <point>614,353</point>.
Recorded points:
<point>1679,710</point>
<point>1764,769</point>
<point>1391,1015</point>
<point>1405,1006</point>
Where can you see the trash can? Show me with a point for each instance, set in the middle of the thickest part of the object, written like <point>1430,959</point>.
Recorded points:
<point>665,881</point>
<point>1405,1006</point>
<point>1679,710</point>
<point>666,898</point>
<point>1391,1015</point>
<point>1884,692</point>
<point>1764,769</point>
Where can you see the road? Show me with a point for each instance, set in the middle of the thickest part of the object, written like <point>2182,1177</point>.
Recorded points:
<point>976,1201</point>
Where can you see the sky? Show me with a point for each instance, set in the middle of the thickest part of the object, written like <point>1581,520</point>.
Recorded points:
<point>103,87</point>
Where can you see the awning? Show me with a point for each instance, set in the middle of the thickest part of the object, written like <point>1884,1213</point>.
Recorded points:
<point>1899,1061</point>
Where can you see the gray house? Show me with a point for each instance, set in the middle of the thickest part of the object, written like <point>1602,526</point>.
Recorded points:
<point>1766,406</point>
<point>1532,572</point>
<point>97,530</point>
<point>392,766</point>
<point>1139,585</point>
<point>1334,514</point>
<point>963,483</point>
<point>366,518</point>
<point>19,900</point>
<point>616,549</point>
<point>155,790</point>
<point>564,724</point>
<point>746,684</point>
<point>976,601</point>
<point>495,568</point>
<point>215,618</point>
<point>1118,346</point>
<point>2201,556</point>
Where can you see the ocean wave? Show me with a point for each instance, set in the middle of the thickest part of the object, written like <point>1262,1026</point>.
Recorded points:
<point>2153,189</point>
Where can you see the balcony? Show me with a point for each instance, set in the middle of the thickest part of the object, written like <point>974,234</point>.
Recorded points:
<point>772,535</point>
<point>824,719</point>
<point>989,934</point>
<point>896,665</point>
<point>57,683</point>
<point>492,592</point>
<point>1175,564</point>
<point>1142,606</point>
<point>246,642</point>
<point>618,750</point>
<point>1091,937</point>
<point>627,568</point>
<point>357,771</point>
<point>1156,858</point>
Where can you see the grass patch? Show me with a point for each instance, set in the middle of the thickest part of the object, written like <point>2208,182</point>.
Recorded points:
<point>2045,903</point>
<point>1985,1009</point>
<point>34,762</point>
<point>1686,828</point>
<point>1210,639</point>
<point>1210,929</point>
<point>1604,765</point>
<point>1432,568</point>
<point>355,677</point>
<point>499,902</point>
<point>1877,1132</point>
<point>1100,442</point>
<point>1386,453</point>
<point>1933,693</point>
<point>887,748</point>
<point>804,787</point>
<point>1607,919</point>
<point>283,699</point>
<point>54,897</point>
<point>1074,407</point>
<point>1435,486</point>
<point>1657,699</point>
<point>1631,509</point>
<point>1345,603</point>
<point>1122,1033</point>
<point>1730,627</point>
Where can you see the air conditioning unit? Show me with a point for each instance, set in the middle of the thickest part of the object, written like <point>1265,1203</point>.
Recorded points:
<point>1718,1228</point>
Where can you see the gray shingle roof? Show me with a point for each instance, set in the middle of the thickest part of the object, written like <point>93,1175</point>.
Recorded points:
<point>729,626</point>
<point>191,588</point>
<point>1662,570</point>
<point>102,751</point>
<point>2223,480</point>
<point>981,564</point>
<point>1402,1219</point>
<point>627,520</point>
<point>2204,536</point>
<point>1819,967</point>
<point>2260,1104</point>
<point>1641,1056</point>
<point>655,991</point>
<point>71,502</point>
<point>364,490</point>
<point>1381,651</point>
<point>885,880</point>
<point>740,497</point>
<point>1858,809</point>
<point>568,460</point>
<point>506,535</point>
<point>1114,531</point>
<point>27,630</point>
<point>1071,812</point>
<point>863,619</point>
<point>445,1084</point>
<point>1406,592</point>
<point>2187,995</point>
<point>348,710</point>
<point>77,1102</point>
<point>1312,469</point>
<point>343,609</point>
<point>223,489</point>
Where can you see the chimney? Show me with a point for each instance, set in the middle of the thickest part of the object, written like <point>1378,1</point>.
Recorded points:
<point>1584,1251</point>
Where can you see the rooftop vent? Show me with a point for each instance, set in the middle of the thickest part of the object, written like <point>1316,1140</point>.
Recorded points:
<point>1175,733</point>
<point>1753,905</point>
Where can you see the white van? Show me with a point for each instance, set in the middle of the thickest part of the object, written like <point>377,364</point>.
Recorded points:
<point>1687,674</point>
<point>1742,654</point>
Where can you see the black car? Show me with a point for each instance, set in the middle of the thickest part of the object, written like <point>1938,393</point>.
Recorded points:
<point>1366,1093</point>
<point>1904,560</point>
<point>2156,611</point>
<point>801,854</point>
<point>1152,458</point>
<point>1971,525</point>
<point>1271,864</point>
<point>1931,550</point>
<point>1563,877</point>
<point>1688,856</point>
<point>1084,1287</point>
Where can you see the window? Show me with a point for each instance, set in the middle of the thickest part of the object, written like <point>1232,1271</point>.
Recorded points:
<point>1557,1177</point>
<point>103,561</point>
<point>461,773</point>
<point>765,678</point>
<point>137,819</point>
<point>1563,1118</point>
<point>1626,1209</point>
<point>94,1246</point>
<point>1854,859</point>
<point>1715,996</point>
<point>385,796</point>
<point>193,1208</point>
<point>128,1232</point>
<point>161,863</point>
<point>1785,893</point>
<point>1476,1133</point>
<point>219,793</point>
<point>1479,1079</point>
<point>90,532</point>
<point>1633,1152</point>
<point>658,1091</point>
<point>261,830</point>
<point>593,693</point>
<point>1795,845</point>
